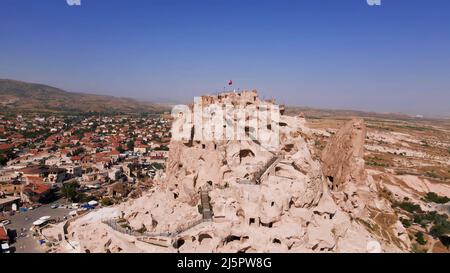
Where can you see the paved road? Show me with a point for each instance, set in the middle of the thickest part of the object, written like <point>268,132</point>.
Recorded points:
<point>24,220</point>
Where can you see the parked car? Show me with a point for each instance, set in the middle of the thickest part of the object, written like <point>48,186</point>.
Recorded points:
<point>5,222</point>
<point>5,248</point>
<point>54,206</point>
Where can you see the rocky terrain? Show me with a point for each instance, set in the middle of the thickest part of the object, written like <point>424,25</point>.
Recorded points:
<point>322,189</point>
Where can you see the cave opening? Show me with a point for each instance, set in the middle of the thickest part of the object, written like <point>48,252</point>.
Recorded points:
<point>178,243</point>
<point>203,236</point>
<point>231,238</point>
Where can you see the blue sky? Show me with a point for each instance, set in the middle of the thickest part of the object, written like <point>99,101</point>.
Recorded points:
<point>319,53</point>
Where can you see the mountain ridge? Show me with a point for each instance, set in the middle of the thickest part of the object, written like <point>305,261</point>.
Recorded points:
<point>25,96</point>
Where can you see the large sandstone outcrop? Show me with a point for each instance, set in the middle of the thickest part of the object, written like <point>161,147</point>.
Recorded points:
<point>353,189</point>
<point>342,158</point>
<point>263,198</point>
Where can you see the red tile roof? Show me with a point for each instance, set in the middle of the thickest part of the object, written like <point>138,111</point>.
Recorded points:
<point>35,179</point>
<point>33,170</point>
<point>39,188</point>
<point>6,146</point>
<point>3,234</point>
<point>75,158</point>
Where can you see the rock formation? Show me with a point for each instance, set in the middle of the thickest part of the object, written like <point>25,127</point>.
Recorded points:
<point>353,189</point>
<point>263,198</point>
<point>342,158</point>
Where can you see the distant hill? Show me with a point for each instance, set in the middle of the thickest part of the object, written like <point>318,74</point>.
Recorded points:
<point>23,96</point>
<point>338,113</point>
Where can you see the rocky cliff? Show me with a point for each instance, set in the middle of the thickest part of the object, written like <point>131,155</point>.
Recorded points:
<point>263,198</point>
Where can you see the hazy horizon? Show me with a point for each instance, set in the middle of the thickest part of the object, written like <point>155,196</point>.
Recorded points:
<point>334,54</point>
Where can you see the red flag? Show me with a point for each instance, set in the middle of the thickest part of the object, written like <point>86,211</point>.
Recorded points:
<point>230,82</point>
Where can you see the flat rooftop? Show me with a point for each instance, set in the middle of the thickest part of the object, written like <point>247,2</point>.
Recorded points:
<point>8,199</point>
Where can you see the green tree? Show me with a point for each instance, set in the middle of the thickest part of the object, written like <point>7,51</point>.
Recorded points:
<point>435,198</point>
<point>120,149</point>
<point>78,151</point>
<point>3,160</point>
<point>70,191</point>
<point>130,145</point>
<point>420,239</point>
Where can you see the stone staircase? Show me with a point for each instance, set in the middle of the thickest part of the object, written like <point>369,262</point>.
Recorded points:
<point>268,168</point>
<point>262,173</point>
<point>206,206</point>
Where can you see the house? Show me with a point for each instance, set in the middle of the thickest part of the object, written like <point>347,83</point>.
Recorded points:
<point>34,173</point>
<point>73,170</point>
<point>140,148</point>
<point>159,154</point>
<point>76,159</point>
<point>7,175</point>
<point>94,176</point>
<point>11,188</point>
<point>4,147</point>
<point>8,203</point>
<point>56,175</point>
<point>35,192</point>
<point>118,189</point>
<point>114,155</point>
<point>53,161</point>
<point>114,173</point>
<point>51,140</point>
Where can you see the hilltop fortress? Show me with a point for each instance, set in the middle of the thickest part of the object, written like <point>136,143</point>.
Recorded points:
<point>248,183</point>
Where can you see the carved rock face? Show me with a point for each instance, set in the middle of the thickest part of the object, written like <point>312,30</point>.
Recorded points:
<point>290,208</point>
<point>342,158</point>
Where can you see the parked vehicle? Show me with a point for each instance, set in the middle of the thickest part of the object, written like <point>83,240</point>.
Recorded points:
<point>5,222</point>
<point>5,248</point>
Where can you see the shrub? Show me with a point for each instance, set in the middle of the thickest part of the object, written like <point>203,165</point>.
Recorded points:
<point>420,239</point>
<point>405,222</point>
<point>106,201</point>
<point>441,225</point>
<point>416,249</point>
<point>3,160</point>
<point>70,191</point>
<point>440,229</point>
<point>435,198</point>
<point>408,206</point>
<point>431,174</point>
<point>120,149</point>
